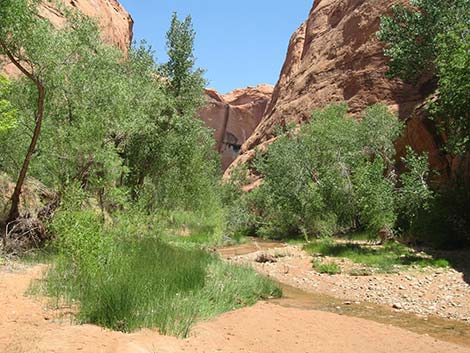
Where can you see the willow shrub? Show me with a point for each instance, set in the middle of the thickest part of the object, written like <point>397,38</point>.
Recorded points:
<point>334,175</point>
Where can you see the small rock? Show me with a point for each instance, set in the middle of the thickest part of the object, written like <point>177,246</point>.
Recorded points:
<point>265,258</point>
<point>397,306</point>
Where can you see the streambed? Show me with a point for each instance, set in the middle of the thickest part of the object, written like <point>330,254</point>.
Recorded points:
<point>293,297</point>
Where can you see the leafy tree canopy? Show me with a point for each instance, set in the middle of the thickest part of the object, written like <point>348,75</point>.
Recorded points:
<point>185,82</point>
<point>432,37</point>
<point>8,115</point>
<point>334,175</point>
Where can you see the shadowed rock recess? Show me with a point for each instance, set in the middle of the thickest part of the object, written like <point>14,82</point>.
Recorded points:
<point>233,117</point>
<point>336,56</point>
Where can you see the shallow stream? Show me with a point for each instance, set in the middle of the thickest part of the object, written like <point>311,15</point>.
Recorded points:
<point>439,328</point>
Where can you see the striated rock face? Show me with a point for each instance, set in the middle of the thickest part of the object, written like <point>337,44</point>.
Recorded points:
<point>115,22</point>
<point>335,56</point>
<point>234,117</point>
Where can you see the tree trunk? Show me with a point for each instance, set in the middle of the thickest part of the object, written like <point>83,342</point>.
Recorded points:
<point>14,213</point>
<point>15,197</point>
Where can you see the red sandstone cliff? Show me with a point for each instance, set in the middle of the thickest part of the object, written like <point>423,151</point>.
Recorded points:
<point>335,56</point>
<point>234,117</point>
<point>115,22</point>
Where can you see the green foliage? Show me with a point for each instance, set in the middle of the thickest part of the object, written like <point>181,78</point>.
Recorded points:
<point>432,37</point>
<point>453,68</point>
<point>239,206</point>
<point>376,196</point>
<point>8,115</point>
<point>384,258</point>
<point>445,223</point>
<point>175,167</point>
<point>185,83</point>
<point>330,268</point>
<point>168,152</point>
<point>106,269</point>
<point>76,71</point>
<point>378,132</point>
<point>415,195</point>
<point>410,35</point>
<point>111,123</point>
<point>335,174</point>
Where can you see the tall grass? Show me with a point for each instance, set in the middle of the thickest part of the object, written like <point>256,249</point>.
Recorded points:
<point>126,278</point>
<point>196,228</point>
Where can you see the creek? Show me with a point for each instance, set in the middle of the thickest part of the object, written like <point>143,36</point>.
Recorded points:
<point>436,327</point>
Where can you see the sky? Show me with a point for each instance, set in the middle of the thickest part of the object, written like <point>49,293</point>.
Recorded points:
<point>239,43</point>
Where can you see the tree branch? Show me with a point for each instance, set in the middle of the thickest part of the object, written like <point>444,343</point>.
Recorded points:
<point>17,63</point>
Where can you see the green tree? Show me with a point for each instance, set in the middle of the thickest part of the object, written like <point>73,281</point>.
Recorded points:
<point>70,77</point>
<point>185,82</point>
<point>24,51</point>
<point>429,37</point>
<point>335,174</point>
<point>169,153</point>
<point>415,195</point>
<point>453,68</point>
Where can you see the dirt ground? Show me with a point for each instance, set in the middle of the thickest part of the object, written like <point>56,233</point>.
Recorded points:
<point>28,324</point>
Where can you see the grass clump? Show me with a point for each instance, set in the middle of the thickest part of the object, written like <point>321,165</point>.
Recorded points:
<point>125,278</point>
<point>330,268</point>
<point>384,258</point>
<point>357,272</point>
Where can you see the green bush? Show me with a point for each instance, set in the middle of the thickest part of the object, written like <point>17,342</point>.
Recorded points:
<point>239,206</point>
<point>112,124</point>
<point>330,268</point>
<point>445,223</point>
<point>334,175</point>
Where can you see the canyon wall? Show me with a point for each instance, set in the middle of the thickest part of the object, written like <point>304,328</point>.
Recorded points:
<point>234,117</point>
<point>115,22</point>
<point>336,56</point>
